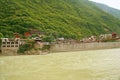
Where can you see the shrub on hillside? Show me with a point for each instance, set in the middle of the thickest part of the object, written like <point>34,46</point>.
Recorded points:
<point>26,47</point>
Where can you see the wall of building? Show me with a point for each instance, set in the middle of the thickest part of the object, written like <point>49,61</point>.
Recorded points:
<point>9,51</point>
<point>10,46</point>
<point>84,46</point>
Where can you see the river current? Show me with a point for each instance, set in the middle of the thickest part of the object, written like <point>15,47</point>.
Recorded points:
<point>79,65</point>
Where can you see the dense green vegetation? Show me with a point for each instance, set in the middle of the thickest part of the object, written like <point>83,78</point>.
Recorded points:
<point>1,35</point>
<point>26,47</point>
<point>48,39</point>
<point>113,11</point>
<point>59,18</point>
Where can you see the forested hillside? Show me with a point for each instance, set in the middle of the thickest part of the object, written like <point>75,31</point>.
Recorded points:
<point>58,18</point>
<point>110,10</point>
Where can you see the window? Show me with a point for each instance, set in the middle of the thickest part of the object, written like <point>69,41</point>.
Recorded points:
<point>12,42</point>
<point>16,45</point>
<point>8,45</point>
<point>8,42</point>
<point>4,43</point>
<point>12,45</point>
<point>16,42</point>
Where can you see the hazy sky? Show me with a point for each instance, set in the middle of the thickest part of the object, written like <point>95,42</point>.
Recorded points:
<point>111,3</point>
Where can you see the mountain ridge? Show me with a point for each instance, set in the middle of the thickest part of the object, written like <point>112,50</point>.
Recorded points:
<point>63,18</point>
<point>115,12</point>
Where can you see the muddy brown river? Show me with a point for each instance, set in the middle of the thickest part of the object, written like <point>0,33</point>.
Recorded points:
<point>79,65</point>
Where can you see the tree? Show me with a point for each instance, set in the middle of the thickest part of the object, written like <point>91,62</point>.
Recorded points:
<point>48,39</point>
<point>1,35</point>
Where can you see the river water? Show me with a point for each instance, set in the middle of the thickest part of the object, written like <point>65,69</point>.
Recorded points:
<point>80,65</point>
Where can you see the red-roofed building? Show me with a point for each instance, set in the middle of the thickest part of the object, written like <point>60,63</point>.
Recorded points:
<point>27,34</point>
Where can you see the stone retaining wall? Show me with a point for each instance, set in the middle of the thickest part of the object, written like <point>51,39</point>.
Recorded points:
<point>9,51</point>
<point>84,46</point>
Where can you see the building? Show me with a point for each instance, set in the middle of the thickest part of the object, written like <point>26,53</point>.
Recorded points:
<point>10,46</point>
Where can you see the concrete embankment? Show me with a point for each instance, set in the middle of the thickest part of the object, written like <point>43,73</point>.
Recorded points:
<point>84,46</point>
<point>64,47</point>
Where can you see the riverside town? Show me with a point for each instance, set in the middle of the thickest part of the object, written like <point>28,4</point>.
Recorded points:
<point>35,43</point>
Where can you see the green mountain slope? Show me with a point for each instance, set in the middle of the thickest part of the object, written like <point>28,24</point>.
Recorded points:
<point>61,18</point>
<point>113,11</point>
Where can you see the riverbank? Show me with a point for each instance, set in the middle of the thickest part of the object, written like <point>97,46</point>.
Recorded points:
<point>63,47</point>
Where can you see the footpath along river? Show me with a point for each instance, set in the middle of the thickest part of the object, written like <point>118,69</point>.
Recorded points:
<point>80,65</point>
